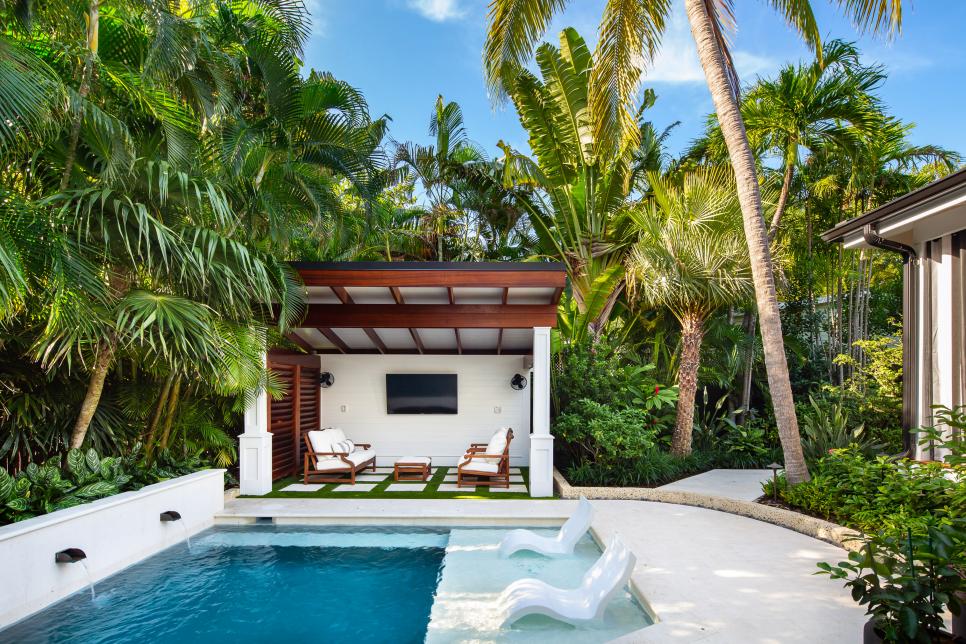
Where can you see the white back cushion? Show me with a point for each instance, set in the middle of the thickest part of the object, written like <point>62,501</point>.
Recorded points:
<point>496,445</point>
<point>320,441</point>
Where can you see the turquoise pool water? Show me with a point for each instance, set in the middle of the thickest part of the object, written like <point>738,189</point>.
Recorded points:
<point>259,584</point>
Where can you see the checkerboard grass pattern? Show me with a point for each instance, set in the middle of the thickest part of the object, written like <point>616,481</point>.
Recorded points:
<point>430,491</point>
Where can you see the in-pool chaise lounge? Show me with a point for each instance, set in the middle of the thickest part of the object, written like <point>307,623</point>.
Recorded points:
<point>557,546</point>
<point>487,463</point>
<point>329,456</point>
<point>575,606</point>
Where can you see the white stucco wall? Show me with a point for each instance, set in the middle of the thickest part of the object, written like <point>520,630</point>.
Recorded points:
<point>357,404</point>
<point>115,532</point>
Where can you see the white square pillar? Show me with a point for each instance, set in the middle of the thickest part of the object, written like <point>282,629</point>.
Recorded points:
<point>255,447</point>
<point>541,442</point>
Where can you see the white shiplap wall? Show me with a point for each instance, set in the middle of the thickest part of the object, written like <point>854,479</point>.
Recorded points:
<point>483,385</point>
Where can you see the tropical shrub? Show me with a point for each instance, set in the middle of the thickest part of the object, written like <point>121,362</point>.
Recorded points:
<point>604,435</point>
<point>48,487</point>
<point>871,493</point>
<point>654,467</point>
<point>951,442</point>
<point>40,489</point>
<point>743,446</point>
<point>827,424</point>
<point>907,579</point>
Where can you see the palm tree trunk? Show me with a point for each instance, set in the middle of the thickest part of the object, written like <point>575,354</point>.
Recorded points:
<point>156,417</point>
<point>173,400</point>
<point>95,387</point>
<point>692,331</point>
<point>93,19</point>
<point>733,129</point>
<point>782,199</point>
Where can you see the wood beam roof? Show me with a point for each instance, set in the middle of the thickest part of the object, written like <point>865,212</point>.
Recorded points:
<point>430,316</point>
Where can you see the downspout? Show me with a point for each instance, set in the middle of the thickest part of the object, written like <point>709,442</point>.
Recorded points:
<point>910,329</point>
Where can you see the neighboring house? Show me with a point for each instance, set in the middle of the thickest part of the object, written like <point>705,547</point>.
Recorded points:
<point>928,228</point>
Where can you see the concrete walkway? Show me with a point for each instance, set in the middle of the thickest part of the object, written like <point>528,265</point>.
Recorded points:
<point>710,576</point>
<point>706,576</point>
<point>742,485</point>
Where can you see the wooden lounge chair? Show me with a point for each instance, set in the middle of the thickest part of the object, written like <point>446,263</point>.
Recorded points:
<point>487,463</point>
<point>328,461</point>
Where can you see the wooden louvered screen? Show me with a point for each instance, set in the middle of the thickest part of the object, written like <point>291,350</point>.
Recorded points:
<point>294,413</point>
<point>309,402</point>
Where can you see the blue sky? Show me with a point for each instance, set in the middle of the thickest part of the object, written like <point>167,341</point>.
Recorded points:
<point>402,53</point>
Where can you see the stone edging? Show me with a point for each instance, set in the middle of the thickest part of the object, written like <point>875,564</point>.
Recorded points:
<point>817,528</point>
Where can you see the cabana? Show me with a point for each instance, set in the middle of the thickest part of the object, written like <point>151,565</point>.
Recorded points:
<point>415,359</point>
<point>928,228</point>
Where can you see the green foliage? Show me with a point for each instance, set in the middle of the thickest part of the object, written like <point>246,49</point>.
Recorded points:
<point>743,446</point>
<point>947,435</point>
<point>871,493</point>
<point>604,435</point>
<point>907,580</point>
<point>609,373</point>
<point>654,467</point>
<point>84,477</point>
<point>40,489</point>
<point>827,425</point>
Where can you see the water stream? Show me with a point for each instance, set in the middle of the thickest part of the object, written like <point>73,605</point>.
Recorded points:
<point>90,580</point>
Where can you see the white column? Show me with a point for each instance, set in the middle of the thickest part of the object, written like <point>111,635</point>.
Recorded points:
<point>541,442</point>
<point>255,447</point>
<point>943,334</point>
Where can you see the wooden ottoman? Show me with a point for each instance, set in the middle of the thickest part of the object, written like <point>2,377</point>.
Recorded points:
<point>412,468</point>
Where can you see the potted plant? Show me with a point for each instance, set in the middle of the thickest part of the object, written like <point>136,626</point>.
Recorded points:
<point>907,580</point>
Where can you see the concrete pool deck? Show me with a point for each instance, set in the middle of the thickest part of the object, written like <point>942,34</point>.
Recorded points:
<point>705,575</point>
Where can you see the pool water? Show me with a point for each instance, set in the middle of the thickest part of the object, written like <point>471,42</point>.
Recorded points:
<point>261,584</point>
<point>270,583</point>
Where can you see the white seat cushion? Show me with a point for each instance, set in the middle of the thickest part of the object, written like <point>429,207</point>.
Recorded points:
<point>479,465</point>
<point>336,463</point>
<point>415,460</point>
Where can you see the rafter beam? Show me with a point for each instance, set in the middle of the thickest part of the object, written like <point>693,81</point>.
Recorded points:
<point>376,340</point>
<point>332,337</point>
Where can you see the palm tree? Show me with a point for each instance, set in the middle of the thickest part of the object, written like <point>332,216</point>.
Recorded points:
<point>580,186</point>
<point>436,168</point>
<point>630,32</point>
<point>691,260</point>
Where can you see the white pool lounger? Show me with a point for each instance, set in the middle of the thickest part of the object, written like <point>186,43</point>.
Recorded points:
<point>575,606</point>
<point>561,545</point>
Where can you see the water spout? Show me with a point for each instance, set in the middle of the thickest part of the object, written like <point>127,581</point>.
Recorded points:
<point>173,515</point>
<point>70,555</point>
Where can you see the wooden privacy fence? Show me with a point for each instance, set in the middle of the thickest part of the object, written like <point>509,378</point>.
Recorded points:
<point>294,413</point>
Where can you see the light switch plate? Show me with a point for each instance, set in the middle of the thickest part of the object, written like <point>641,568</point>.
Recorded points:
<point>497,409</point>
<point>342,408</point>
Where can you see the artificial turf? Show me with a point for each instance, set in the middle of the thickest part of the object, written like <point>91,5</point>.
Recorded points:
<point>431,491</point>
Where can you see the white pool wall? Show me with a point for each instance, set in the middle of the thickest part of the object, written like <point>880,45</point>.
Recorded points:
<point>115,532</point>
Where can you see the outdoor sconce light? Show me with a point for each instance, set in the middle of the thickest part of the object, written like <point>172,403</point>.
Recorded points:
<point>774,467</point>
<point>326,380</point>
<point>518,382</point>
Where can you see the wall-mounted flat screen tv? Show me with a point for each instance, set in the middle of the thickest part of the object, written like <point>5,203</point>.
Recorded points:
<point>421,393</point>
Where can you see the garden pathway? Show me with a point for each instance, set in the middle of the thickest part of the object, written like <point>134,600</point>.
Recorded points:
<point>741,485</point>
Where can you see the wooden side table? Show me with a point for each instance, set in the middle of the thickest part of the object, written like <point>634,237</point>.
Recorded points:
<point>412,468</point>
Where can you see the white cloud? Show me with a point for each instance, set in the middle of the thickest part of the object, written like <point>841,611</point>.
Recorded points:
<point>677,59</point>
<point>438,10</point>
<point>317,17</point>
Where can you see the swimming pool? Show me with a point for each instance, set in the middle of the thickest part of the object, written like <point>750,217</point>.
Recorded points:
<point>272,583</point>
